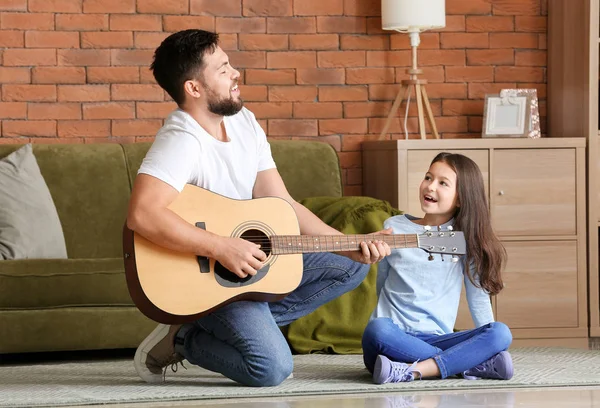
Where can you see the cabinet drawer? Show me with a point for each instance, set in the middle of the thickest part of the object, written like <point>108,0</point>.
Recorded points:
<point>534,192</point>
<point>540,285</point>
<point>418,162</point>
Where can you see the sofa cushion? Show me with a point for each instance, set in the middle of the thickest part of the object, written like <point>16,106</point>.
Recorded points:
<point>51,283</point>
<point>90,188</point>
<point>73,328</point>
<point>337,326</point>
<point>134,155</point>
<point>309,169</point>
<point>29,223</point>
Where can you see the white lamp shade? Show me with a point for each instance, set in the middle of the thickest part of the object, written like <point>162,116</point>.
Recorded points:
<point>413,15</point>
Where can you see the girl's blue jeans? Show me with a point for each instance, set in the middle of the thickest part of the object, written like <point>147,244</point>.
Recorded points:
<point>243,341</point>
<point>454,353</point>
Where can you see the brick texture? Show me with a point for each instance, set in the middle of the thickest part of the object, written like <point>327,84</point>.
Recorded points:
<point>76,71</point>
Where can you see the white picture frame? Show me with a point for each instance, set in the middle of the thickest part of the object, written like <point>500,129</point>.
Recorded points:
<point>506,116</point>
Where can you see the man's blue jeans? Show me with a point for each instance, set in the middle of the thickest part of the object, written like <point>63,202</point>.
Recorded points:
<point>242,340</point>
<point>454,353</point>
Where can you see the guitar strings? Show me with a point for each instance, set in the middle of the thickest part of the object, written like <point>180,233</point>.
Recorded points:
<point>327,240</point>
<point>333,236</point>
<point>306,238</point>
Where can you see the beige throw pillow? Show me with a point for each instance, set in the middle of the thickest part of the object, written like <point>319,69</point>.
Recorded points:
<point>29,224</point>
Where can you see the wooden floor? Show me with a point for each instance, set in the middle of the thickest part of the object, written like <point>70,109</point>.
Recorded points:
<point>523,398</point>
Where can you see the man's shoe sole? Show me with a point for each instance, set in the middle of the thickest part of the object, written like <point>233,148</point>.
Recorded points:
<point>139,360</point>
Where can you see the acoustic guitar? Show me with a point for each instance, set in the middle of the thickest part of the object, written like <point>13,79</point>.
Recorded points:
<point>173,287</point>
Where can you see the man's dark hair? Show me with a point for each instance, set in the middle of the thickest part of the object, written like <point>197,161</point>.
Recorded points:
<point>180,57</point>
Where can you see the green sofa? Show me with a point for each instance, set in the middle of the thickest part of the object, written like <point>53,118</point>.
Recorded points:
<point>82,303</point>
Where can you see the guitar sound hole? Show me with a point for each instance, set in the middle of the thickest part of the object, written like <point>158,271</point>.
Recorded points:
<point>258,237</point>
<point>229,279</point>
<point>226,277</point>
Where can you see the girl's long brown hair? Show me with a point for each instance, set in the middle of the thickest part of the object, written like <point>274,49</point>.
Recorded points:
<point>472,217</point>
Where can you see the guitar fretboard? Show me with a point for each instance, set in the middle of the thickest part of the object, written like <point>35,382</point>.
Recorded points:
<point>296,244</point>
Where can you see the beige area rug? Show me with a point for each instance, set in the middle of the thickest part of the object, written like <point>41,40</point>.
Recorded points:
<point>115,381</point>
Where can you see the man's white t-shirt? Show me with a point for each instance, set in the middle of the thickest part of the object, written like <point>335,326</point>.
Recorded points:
<point>184,153</point>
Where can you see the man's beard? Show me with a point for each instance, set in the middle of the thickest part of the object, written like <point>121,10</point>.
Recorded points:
<point>223,106</point>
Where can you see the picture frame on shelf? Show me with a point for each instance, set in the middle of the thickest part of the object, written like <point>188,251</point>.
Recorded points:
<point>534,120</point>
<point>505,114</point>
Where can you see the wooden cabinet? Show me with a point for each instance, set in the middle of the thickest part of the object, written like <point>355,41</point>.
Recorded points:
<point>573,71</point>
<point>534,192</point>
<point>537,196</point>
<point>540,285</point>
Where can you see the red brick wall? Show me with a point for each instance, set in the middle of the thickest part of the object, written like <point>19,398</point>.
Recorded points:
<point>76,71</point>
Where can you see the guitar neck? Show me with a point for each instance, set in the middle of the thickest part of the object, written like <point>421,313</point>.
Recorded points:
<point>298,244</point>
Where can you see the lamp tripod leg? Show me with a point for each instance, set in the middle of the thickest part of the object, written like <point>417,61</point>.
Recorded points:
<point>419,96</point>
<point>393,111</point>
<point>430,114</point>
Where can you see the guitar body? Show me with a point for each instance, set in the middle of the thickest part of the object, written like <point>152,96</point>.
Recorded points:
<point>172,287</point>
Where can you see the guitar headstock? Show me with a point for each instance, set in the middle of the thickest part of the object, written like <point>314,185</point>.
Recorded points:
<point>443,242</point>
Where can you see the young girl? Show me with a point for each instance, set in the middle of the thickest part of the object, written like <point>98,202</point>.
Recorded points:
<point>410,334</point>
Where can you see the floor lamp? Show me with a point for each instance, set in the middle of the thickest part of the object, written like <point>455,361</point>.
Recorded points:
<point>413,17</point>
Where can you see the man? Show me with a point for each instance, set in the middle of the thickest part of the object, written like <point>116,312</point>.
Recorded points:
<point>213,142</point>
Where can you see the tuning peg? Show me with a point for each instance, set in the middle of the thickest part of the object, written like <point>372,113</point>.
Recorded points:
<point>454,258</point>
<point>427,227</point>
<point>450,228</point>
<point>430,257</point>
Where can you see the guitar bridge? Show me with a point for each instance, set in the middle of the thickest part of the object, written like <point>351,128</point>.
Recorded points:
<point>203,260</point>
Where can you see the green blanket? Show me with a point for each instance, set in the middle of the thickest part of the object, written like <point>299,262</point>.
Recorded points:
<point>337,327</point>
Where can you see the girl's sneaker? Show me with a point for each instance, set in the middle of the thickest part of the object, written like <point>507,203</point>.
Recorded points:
<point>387,371</point>
<point>499,367</point>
